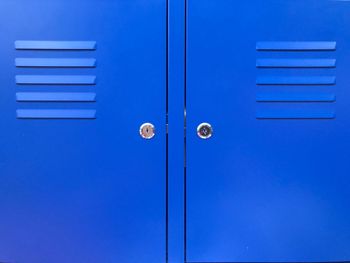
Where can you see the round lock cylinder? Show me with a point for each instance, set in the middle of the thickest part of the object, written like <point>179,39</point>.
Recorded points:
<point>204,130</point>
<point>147,131</point>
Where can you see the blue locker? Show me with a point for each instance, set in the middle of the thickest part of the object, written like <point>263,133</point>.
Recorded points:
<point>77,182</point>
<point>272,79</point>
<point>242,108</point>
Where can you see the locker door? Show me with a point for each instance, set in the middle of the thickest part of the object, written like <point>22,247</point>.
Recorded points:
<point>272,182</point>
<point>77,182</point>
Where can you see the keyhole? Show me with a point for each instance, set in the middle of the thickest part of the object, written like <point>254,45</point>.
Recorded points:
<point>204,130</point>
<point>147,131</point>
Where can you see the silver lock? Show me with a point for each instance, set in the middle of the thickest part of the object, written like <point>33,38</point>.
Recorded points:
<point>147,131</point>
<point>204,130</point>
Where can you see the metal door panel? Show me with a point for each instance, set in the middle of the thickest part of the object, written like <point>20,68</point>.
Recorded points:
<point>77,182</point>
<point>272,183</point>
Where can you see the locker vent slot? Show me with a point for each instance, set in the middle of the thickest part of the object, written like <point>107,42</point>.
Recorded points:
<point>293,84</point>
<point>301,97</point>
<point>295,114</point>
<point>277,80</point>
<point>295,63</point>
<point>55,92</point>
<point>55,45</point>
<point>56,62</point>
<point>56,96</point>
<point>56,114</point>
<point>55,80</point>
<point>296,46</point>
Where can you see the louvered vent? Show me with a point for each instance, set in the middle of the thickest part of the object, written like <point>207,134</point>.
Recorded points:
<point>296,80</point>
<point>40,96</point>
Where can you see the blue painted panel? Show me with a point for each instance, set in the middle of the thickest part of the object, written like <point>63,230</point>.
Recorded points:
<point>77,182</point>
<point>272,184</point>
<point>176,143</point>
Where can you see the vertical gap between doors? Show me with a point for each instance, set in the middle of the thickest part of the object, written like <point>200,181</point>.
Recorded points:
<point>185,128</point>
<point>166,134</point>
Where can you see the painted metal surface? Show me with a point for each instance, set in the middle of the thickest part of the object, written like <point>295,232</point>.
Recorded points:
<point>77,182</point>
<point>272,184</point>
<point>176,134</point>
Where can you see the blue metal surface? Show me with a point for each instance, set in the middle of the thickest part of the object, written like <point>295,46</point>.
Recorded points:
<point>77,182</point>
<point>272,183</point>
<point>176,141</point>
